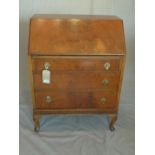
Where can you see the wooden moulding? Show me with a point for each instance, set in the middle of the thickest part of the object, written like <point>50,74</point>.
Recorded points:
<point>75,111</point>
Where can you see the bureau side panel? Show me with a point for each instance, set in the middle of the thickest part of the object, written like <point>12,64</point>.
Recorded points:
<point>31,81</point>
<point>122,66</point>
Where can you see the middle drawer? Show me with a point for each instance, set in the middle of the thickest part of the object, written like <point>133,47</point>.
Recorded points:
<point>75,81</point>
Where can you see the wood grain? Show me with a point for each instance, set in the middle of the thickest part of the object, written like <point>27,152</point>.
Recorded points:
<point>76,49</point>
<point>31,80</point>
<point>76,111</point>
<point>77,64</point>
<point>77,81</point>
<point>76,36</point>
<point>75,100</point>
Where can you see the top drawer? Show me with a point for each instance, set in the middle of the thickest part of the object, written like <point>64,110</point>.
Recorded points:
<point>106,63</point>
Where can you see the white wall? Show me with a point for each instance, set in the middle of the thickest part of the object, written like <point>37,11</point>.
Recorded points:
<point>121,8</point>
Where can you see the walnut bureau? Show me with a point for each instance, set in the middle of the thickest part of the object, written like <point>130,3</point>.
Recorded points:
<point>76,65</point>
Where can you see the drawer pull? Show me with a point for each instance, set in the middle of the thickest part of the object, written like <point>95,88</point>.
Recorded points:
<point>48,99</point>
<point>107,66</point>
<point>46,65</point>
<point>105,82</point>
<point>103,100</point>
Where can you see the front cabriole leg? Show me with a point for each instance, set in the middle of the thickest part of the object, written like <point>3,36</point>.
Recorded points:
<point>36,119</point>
<point>113,119</point>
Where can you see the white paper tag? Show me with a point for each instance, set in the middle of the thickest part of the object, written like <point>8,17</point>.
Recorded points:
<point>46,76</point>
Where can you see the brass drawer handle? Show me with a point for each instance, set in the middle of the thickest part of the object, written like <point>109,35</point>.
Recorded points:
<point>48,99</point>
<point>105,82</point>
<point>103,100</point>
<point>46,65</point>
<point>107,66</point>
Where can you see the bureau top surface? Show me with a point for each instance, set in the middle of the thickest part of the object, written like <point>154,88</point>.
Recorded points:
<point>76,35</point>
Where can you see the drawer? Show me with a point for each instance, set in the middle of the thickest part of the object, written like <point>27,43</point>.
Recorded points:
<point>106,64</point>
<point>75,81</point>
<point>75,100</point>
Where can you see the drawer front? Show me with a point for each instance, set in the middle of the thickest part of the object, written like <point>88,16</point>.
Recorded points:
<point>103,64</point>
<point>76,81</point>
<point>75,100</point>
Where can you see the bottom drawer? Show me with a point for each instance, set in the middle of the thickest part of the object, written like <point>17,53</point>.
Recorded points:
<point>75,100</point>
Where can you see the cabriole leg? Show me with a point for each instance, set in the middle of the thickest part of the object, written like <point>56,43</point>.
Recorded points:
<point>36,119</point>
<point>113,119</point>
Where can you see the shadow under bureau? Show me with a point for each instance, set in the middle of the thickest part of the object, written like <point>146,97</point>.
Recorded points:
<point>76,65</point>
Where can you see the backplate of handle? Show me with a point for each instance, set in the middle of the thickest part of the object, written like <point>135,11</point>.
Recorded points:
<point>105,82</point>
<point>107,66</point>
<point>46,65</point>
<point>103,100</point>
<point>48,99</point>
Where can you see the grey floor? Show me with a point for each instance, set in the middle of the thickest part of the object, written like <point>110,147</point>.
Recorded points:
<point>77,134</point>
